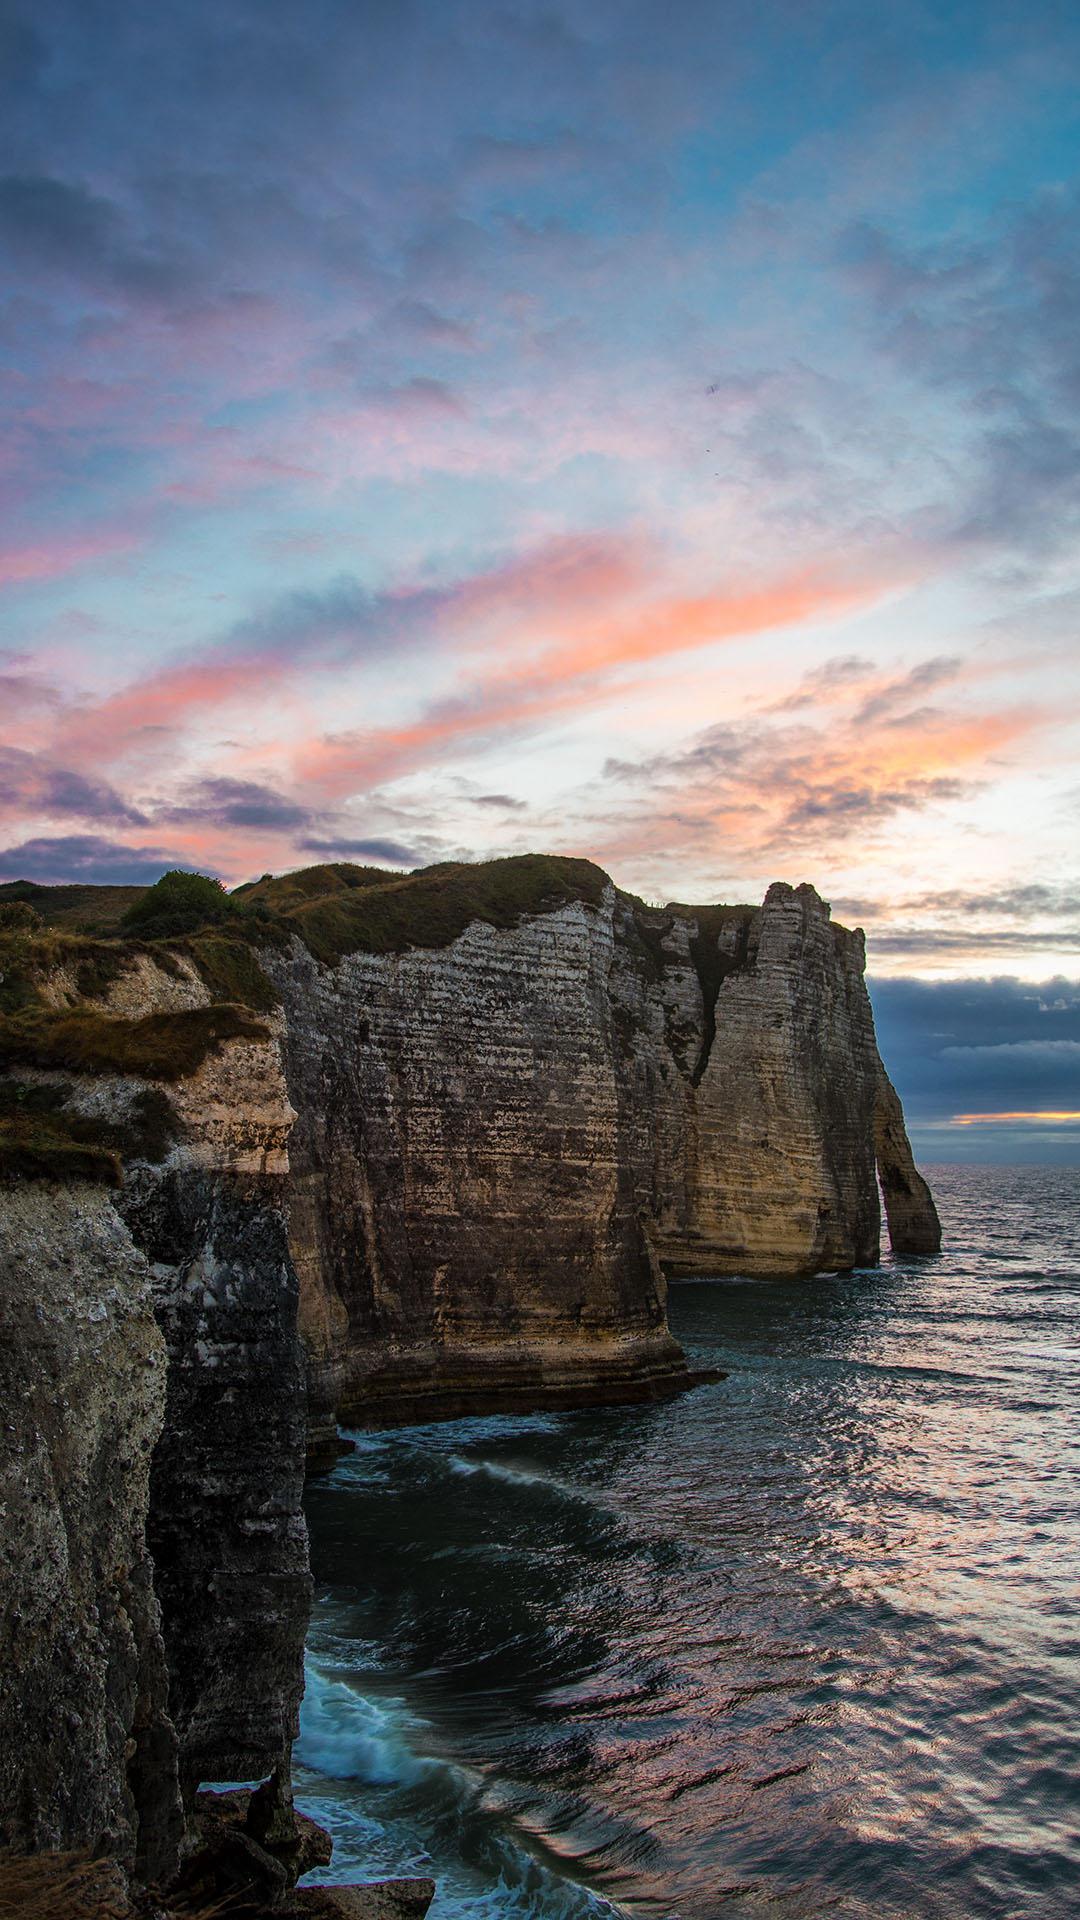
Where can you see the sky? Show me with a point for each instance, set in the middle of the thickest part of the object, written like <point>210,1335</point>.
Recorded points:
<point>642,431</point>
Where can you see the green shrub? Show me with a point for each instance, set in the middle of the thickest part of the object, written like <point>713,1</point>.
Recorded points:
<point>230,970</point>
<point>178,903</point>
<point>18,916</point>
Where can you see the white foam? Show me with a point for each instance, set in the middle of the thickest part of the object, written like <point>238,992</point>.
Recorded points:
<point>346,1736</point>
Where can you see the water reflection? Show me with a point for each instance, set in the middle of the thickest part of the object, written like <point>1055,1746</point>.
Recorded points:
<point>799,1643</point>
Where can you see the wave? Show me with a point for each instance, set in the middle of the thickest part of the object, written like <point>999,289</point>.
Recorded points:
<point>425,1814</point>
<point>348,1736</point>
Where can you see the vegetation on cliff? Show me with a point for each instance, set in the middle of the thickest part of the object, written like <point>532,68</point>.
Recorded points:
<point>44,1135</point>
<point>53,979</point>
<point>180,902</point>
<point>157,1046</point>
<point>432,907</point>
<point>77,908</point>
<point>335,909</point>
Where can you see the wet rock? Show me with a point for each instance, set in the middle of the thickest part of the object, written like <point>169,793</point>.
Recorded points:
<point>375,1900</point>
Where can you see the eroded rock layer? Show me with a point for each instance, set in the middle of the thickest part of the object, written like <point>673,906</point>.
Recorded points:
<point>87,1749</point>
<point>464,1216</point>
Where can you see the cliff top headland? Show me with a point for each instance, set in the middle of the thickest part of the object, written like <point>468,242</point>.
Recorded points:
<point>63,949</point>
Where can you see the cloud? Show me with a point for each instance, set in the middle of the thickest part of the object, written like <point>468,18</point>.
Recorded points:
<point>342,624</point>
<point>834,679</point>
<point>941,941</point>
<point>933,1035</point>
<point>61,226</point>
<point>32,784</point>
<point>236,803</point>
<point>894,699</point>
<point>23,692</point>
<point>990,320</point>
<point>1008,901</point>
<point>569,673</point>
<point>57,554</point>
<point>771,790</point>
<point>88,858</point>
<point>390,851</point>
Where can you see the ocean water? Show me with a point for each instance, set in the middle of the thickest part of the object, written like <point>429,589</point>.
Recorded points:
<point>804,1642</point>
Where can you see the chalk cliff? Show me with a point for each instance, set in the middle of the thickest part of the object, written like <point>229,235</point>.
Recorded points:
<point>506,1141</point>
<point>383,1149</point>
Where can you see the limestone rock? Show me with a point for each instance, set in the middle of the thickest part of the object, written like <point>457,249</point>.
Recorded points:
<point>153,1463</point>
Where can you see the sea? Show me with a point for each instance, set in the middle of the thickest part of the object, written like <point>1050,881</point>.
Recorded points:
<point>802,1642</point>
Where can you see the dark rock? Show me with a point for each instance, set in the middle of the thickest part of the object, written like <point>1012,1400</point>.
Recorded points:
<point>914,1226</point>
<point>374,1900</point>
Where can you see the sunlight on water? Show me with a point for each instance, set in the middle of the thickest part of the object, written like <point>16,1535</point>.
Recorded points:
<point>800,1643</point>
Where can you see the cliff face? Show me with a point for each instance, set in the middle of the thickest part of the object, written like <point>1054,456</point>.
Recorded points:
<point>504,1142</point>
<point>87,1749</point>
<point>464,1219</point>
<point>752,1072</point>
<point>155,1471</point>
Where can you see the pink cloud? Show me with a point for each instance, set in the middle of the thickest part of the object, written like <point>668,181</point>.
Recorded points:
<point>56,555</point>
<point>571,674</point>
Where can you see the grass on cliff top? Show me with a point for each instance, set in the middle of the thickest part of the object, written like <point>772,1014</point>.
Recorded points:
<point>280,891</point>
<point>159,1046</point>
<point>75,909</point>
<point>229,969</point>
<point>30,952</point>
<point>223,957</point>
<point>335,909</point>
<point>432,907</point>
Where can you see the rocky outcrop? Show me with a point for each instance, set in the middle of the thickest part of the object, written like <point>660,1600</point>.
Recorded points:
<point>464,1218</point>
<point>506,1141</point>
<point>226,1528</point>
<point>914,1226</point>
<point>751,1074</point>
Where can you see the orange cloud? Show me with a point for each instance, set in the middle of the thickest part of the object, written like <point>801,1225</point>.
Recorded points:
<point>1046,1116</point>
<point>164,702</point>
<point>569,675</point>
